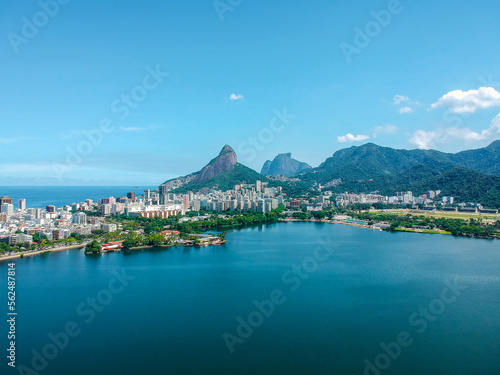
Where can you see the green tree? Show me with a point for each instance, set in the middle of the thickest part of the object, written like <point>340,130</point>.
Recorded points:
<point>222,235</point>
<point>93,248</point>
<point>394,225</point>
<point>300,215</point>
<point>4,248</point>
<point>155,240</point>
<point>319,215</point>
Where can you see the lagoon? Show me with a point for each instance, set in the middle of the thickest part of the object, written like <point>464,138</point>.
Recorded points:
<point>290,298</point>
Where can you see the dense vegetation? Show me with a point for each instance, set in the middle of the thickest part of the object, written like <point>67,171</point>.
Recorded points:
<point>465,185</point>
<point>371,168</point>
<point>146,231</point>
<point>42,242</point>
<point>93,247</point>
<point>456,227</point>
<point>483,160</point>
<point>214,221</point>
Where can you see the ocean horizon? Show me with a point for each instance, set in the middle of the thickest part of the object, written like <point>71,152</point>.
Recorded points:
<point>59,196</point>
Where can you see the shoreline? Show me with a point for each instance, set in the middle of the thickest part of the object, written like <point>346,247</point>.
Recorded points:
<point>31,253</point>
<point>400,230</point>
<point>173,245</point>
<point>365,226</point>
<point>82,246</point>
<point>358,225</point>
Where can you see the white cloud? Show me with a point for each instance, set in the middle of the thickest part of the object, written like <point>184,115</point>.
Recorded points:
<point>384,129</point>
<point>459,101</point>
<point>398,99</point>
<point>352,138</point>
<point>236,97</point>
<point>408,103</point>
<point>424,139</point>
<point>406,110</point>
<point>466,134</point>
<point>139,128</point>
<point>429,139</point>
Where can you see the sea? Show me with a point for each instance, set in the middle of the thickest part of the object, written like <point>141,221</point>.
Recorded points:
<point>288,298</point>
<point>59,196</point>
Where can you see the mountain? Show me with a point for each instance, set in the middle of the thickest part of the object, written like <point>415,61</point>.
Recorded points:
<point>226,161</point>
<point>284,165</point>
<point>366,168</point>
<point>222,172</point>
<point>486,160</point>
<point>266,167</point>
<point>464,184</point>
<point>472,175</point>
<point>371,161</point>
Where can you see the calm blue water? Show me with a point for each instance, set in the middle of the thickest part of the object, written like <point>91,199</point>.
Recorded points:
<point>41,196</point>
<point>335,310</point>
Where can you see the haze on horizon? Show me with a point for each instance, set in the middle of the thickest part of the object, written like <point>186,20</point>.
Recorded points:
<point>125,93</point>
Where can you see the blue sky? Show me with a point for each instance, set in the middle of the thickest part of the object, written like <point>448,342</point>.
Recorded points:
<point>264,77</point>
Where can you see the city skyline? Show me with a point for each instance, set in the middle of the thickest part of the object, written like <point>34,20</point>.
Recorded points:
<point>139,94</point>
<point>279,187</point>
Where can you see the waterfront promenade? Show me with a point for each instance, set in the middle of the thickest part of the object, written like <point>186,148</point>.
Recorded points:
<point>35,252</point>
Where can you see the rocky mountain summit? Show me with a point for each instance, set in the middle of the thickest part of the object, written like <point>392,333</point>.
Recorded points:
<point>226,161</point>
<point>284,165</point>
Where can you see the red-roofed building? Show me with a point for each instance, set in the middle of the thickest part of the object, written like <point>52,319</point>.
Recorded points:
<point>167,233</point>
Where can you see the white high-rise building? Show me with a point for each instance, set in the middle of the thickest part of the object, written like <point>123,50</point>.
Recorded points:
<point>21,204</point>
<point>118,208</point>
<point>108,228</point>
<point>7,208</point>
<point>195,205</point>
<point>105,209</point>
<point>79,218</point>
